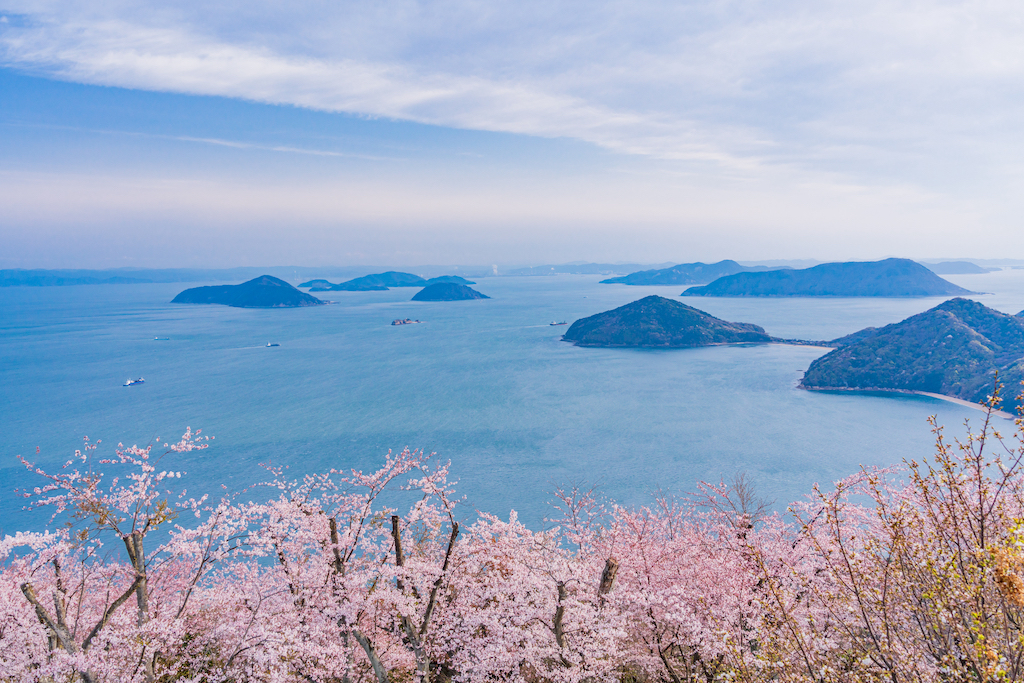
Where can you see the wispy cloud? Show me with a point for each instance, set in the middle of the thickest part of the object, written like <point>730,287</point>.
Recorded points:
<point>217,142</point>
<point>736,85</point>
<point>127,55</point>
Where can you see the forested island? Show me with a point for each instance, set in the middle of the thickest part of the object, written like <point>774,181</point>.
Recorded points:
<point>684,274</point>
<point>265,291</point>
<point>893,277</point>
<point>655,321</point>
<point>448,291</point>
<point>954,349</point>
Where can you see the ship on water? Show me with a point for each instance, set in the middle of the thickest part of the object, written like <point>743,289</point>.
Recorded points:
<point>132,382</point>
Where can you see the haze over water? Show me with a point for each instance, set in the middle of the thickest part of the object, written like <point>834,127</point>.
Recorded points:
<point>486,384</point>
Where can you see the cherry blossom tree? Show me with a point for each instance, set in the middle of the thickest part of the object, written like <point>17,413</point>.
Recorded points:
<point>910,573</point>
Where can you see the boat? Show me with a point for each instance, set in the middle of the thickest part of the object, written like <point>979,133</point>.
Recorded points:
<point>269,344</point>
<point>556,323</point>
<point>131,382</point>
<point>161,338</point>
<point>407,321</point>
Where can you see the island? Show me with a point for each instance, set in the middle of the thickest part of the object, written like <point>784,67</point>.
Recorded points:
<point>657,322</point>
<point>956,268</point>
<point>448,291</point>
<point>683,274</point>
<point>265,291</point>
<point>954,349</point>
<point>324,284</point>
<point>378,282</point>
<point>451,279</point>
<point>894,277</point>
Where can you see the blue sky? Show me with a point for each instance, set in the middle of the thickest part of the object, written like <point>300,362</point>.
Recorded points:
<point>401,132</point>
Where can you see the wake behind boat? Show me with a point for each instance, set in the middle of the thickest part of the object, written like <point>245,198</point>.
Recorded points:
<point>132,382</point>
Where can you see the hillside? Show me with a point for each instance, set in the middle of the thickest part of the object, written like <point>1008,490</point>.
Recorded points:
<point>655,321</point>
<point>891,277</point>
<point>953,349</point>
<point>265,291</point>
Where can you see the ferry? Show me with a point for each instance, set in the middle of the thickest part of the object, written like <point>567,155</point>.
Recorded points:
<point>407,321</point>
<point>131,382</point>
<point>269,344</point>
<point>556,323</point>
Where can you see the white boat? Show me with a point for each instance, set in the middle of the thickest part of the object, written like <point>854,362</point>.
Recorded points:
<point>269,344</point>
<point>131,382</point>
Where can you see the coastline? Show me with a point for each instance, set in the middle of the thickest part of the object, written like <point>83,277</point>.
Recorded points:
<point>951,399</point>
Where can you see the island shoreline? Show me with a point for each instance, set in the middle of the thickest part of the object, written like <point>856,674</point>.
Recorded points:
<point>942,397</point>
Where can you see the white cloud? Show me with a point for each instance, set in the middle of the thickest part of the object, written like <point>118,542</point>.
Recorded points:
<point>908,90</point>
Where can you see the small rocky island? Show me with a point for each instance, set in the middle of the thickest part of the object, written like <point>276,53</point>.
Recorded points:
<point>683,274</point>
<point>265,291</point>
<point>448,291</point>
<point>891,277</point>
<point>657,322</point>
<point>954,349</point>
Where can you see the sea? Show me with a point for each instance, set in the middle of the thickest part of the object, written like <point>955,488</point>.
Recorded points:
<point>487,385</point>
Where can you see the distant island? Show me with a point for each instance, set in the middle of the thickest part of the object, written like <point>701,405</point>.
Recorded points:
<point>657,322</point>
<point>377,282</point>
<point>684,274</point>
<point>450,279</point>
<point>582,269</point>
<point>954,349</point>
<point>265,291</point>
<point>891,277</point>
<point>58,278</point>
<point>448,291</point>
<point>956,268</point>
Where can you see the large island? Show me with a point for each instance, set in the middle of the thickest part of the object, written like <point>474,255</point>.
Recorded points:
<point>891,277</point>
<point>954,349</point>
<point>265,291</point>
<point>657,322</point>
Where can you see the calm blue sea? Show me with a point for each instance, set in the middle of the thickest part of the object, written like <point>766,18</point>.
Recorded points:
<point>486,384</point>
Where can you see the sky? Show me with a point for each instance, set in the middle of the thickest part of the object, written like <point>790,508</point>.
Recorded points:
<point>186,133</point>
